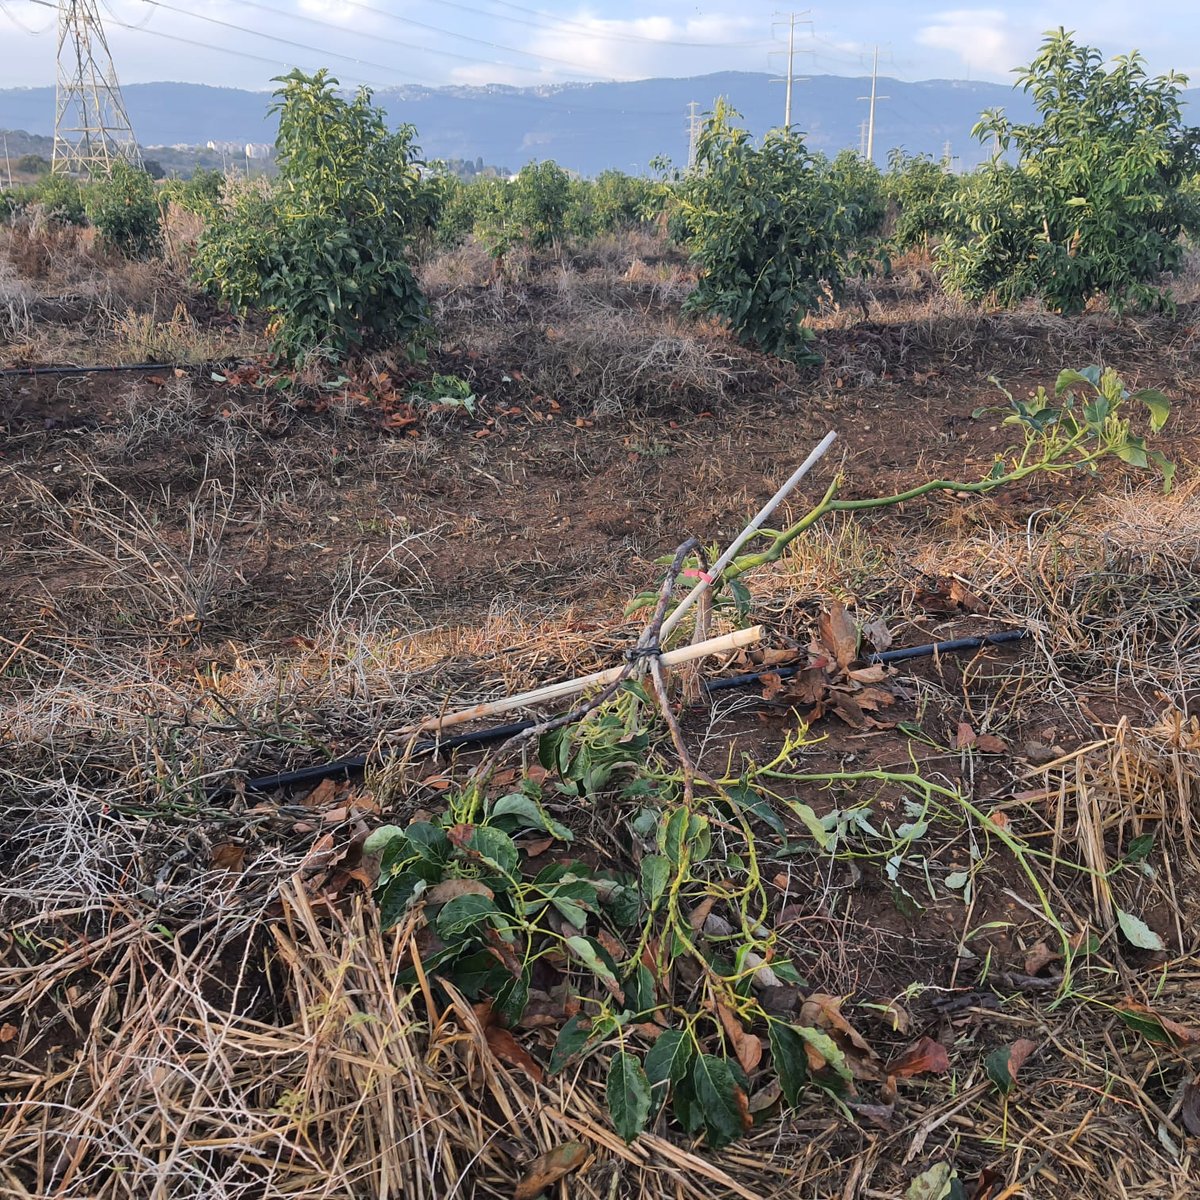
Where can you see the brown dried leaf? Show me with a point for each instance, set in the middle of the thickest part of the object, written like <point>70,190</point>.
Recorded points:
<point>897,1017</point>
<point>986,743</point>
<point>448,889</point>
<point>1039,957</point>
<point>878,634</point>
<point>772,684</point>
<point>825,1012</point>
<point>874,673</point>
<point>925,1057</point>
<point>7,1033</point>
<point>745,1045</point>
<point>229,856</point>
<point>1018,1053</point>
<point>965,738</point>
<point>547,1169</point>
<point>838,634</point>
<point>507,1049</point>
<point>874,699</point>
<point>1189,1113</point>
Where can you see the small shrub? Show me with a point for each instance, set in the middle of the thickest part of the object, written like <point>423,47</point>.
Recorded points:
<point>541,198</point>
<point>324,250</point>
<point>1099,198</point>
<point>770,231</point>
<point>32,164</point>
<point>859,184</point>
<point>919,190</point>
<point>199,194</point>
<point>61,200</point>
<point>124,209</point>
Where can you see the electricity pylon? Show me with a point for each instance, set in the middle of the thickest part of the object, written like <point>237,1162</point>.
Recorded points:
<point>91,126</point>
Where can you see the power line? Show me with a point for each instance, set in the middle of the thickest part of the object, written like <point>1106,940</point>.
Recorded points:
<point>292,16</point>
<point>186,41</point>
<point>577,27</point>
<point>12,16</point>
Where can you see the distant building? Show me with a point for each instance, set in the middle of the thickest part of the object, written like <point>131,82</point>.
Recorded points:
<point>259,150</point>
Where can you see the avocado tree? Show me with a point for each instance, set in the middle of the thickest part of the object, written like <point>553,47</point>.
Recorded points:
<point>1097,200</point>
<point>771,230</point>
<point>324,250</point>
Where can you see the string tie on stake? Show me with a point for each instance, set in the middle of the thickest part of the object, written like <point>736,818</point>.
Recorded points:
<point>639,653</point>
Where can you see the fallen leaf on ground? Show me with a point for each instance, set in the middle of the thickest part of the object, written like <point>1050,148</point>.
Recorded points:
<point>507,1049</point>
<point>547,1169</point>
<point>1004,1065</point>
<point>7,1032</point>
<point>837,632</point>
<point>987,743</point>
<point>1189,1113</point>
<point>926,1057</point>
<point>1155,1026</point>
<point>1039,957</point>
<point>935,1184</point>
<point>228,856</point>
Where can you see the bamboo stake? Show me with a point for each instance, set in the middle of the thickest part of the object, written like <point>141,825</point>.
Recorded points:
<point>710,577</point>
<point>572,687</point>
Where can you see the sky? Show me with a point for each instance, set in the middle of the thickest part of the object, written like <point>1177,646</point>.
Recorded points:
<point>385,43</point>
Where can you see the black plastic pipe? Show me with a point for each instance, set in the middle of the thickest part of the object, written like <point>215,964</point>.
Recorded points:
<point>346,767</point>
<point>886,656</point>
<point>15,372</point>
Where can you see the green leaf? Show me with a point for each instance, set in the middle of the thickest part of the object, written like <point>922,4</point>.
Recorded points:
<point>1069,378</point>
<point>462,913</point>
<point>656,874</point>
<point>511,997</point>
<point>428,840</point>
<point>750,802</point>
<point>670,1058</point>
<point>377,841</point>
<point>575,898</point>
<point>1157,403</point>
<point>717,1093</point>
<point>1139,849</point>
<point>935,1184</point>
<point>528,816</point>
<point>1138,932</point>
<point>672,835</point>
<point>1166,468</point>
<point>791,1062</point>
<point>588,953</point>
<point>494,847</point>
<point>628,1095</point>
<point>812,823</point>
<point>827,1048</point>
<point>572,1038</point>
<point>996,1066</point>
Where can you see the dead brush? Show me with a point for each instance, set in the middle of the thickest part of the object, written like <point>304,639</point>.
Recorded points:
<point>611,362</point>
<point>143,575</point>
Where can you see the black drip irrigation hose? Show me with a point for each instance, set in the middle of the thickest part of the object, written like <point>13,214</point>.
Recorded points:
<point>343,768</point>
<point>18,372</point>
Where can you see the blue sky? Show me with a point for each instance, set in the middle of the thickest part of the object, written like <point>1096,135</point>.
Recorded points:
<point>389,42</point>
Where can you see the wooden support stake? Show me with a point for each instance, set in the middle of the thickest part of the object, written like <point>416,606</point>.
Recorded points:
<point>599,679</point>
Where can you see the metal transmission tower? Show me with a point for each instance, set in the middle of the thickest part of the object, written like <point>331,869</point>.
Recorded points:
<point>91,127</point>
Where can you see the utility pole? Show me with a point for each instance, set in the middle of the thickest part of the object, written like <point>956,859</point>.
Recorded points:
<point>693,132</point>
<point>871,112</point>
<point>91,126</point>
<point>7,161</point>
<point>862,139</point>
<point>790,74</point>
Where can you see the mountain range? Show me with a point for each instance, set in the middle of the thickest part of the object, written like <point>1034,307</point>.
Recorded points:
<point>586,127</point>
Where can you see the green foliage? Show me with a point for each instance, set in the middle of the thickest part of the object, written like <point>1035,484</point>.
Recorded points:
<point>612,203</point>
<point>324,250</point>
<point>659,960</point>
<point>61,199</point>
<point>32,164</point>
<point>1097,200</point>
<point>919,190</point>
<point>859,183</point>
<point>770,230</point>
<point>199,194</point>
<point>541,199</point>
<point>124,209</point>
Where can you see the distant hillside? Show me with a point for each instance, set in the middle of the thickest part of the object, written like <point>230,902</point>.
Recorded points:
<point>586,127</point>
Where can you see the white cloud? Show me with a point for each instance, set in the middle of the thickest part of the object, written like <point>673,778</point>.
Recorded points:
<point>589,46</point>
<point>984,38</point>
